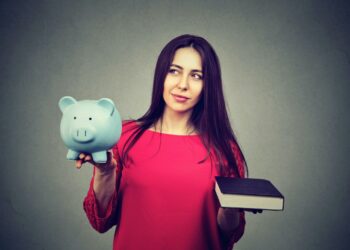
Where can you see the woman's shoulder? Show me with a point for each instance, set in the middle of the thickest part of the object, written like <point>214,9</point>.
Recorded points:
<point>129,126</point>
<point>130,122</point>
<point>128,129</point>
<point>240,161</point>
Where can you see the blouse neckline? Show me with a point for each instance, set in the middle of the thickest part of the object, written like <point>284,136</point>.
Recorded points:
<point>173,135</point>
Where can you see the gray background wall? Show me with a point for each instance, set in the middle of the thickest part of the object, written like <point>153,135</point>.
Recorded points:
<point>285,67</point>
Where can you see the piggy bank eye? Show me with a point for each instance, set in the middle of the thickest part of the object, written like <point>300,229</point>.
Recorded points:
<point>75,117</point>
<point>90,118</point>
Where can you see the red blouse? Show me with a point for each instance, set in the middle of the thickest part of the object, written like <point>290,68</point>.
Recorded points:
<point>166,198</point>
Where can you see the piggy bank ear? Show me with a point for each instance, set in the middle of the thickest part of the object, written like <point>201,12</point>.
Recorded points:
<point>107,104</point>
<point>66,101</point>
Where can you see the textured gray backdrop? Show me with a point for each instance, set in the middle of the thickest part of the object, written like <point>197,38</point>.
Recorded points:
<point>286,72</point>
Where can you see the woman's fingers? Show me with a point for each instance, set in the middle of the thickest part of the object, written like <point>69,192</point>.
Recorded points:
<point>254,211</point>
<point>82,158</point>
<point>78,164</point>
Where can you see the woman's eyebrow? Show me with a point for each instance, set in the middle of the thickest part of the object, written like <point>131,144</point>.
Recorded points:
<point>178,66</point>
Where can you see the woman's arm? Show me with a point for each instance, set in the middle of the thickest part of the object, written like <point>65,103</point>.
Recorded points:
<point>104,187</point>
<point>104,179</point>
<point>101,200</point>
<point>231,221</point>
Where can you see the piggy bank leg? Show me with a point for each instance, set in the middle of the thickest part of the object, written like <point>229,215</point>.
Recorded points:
<point>100,157</point>
<point>72,155</point>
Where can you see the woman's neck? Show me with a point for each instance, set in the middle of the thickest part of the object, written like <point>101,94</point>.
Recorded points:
<point>175,123</point>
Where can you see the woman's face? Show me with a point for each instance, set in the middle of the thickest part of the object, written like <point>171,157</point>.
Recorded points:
<point>184,82</point>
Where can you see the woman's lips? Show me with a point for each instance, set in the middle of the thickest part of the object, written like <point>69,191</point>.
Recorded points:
<point>180,98</point>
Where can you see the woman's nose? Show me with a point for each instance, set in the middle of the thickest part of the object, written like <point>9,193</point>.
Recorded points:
<point>183,82</point>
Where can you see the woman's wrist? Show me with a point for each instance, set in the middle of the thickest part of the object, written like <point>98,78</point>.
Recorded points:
<point>104,171</point>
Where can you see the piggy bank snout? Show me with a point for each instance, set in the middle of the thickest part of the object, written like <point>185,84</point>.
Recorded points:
<point>83,134</point>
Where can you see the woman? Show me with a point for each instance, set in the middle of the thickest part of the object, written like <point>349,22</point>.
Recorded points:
<point>157,186</point>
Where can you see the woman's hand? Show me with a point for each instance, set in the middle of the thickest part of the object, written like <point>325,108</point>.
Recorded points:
<point>254,211</point>
<point>101,168</point>
<point>228,219</point>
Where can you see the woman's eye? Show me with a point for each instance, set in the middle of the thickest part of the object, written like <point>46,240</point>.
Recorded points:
<point>172,71</point>
<point>199,77</point>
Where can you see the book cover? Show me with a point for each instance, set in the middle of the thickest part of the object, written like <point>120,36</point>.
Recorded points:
<point>248,193</point>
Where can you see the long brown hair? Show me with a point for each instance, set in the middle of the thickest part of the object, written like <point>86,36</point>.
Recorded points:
<point>209,116</point>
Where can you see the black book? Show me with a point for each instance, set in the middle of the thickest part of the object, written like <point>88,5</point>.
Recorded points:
<point>248,193</point>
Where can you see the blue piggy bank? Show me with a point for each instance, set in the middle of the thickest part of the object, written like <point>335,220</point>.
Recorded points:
<point>89,126</point>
